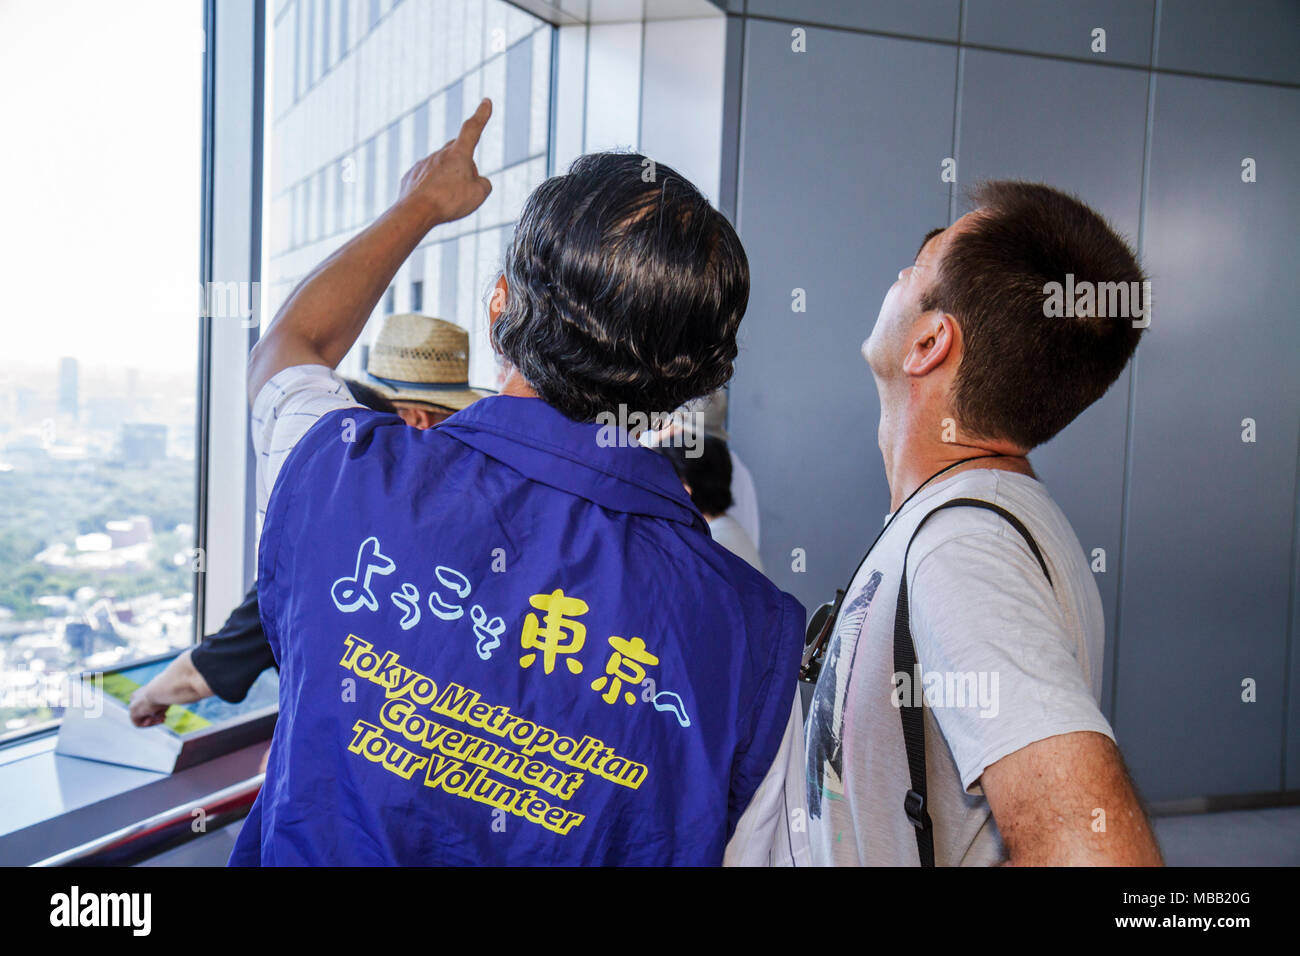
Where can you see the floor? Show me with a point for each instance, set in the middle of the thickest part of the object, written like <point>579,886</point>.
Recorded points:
<point>1234,838</point>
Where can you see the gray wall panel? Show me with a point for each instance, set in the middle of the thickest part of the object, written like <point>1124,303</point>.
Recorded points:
<point>1040,140</point>
<point>836,189</point>
<point>1291,729</point>
<point>933,19</point>
<point>1208,562</point>
<point>1064,27</point>
<point>733,81</point>
<point>1257,40</point>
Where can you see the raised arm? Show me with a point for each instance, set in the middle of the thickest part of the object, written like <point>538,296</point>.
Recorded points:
<point>325,314</point>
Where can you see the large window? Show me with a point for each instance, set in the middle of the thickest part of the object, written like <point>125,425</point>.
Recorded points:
<point>100,186</point>
<point>357,91</point>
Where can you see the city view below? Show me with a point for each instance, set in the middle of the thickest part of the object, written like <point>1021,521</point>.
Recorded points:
<point>97,554</point>
<point>97,389</point>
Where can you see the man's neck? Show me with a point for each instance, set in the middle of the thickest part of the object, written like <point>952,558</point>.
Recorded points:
<point>911,460</point>
<point>516,385</point>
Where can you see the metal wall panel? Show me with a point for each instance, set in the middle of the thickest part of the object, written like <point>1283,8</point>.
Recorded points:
<point>836,189</point>
<point>1080,128</point>
<point>1291,727</point>
<point>1259,40</point>
<point>1064,27</point>
<point>1207,568</point>
<point>933,19</point>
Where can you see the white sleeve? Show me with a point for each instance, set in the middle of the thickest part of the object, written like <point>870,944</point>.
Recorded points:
<point>773,830</point>
<point>994,647</point>
<point>287,406</point>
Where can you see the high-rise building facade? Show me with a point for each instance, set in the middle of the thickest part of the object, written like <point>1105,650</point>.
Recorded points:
<point>69,401</point>
<point>358,90</point>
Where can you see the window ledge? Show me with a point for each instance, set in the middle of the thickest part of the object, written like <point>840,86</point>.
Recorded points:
<point>51,803</point>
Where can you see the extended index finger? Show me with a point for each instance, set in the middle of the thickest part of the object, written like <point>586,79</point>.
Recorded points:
<point>472,128</point>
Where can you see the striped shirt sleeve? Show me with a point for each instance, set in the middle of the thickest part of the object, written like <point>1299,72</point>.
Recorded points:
<point>286,407</point>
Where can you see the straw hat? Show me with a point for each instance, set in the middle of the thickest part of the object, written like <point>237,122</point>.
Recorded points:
<point>417,358</point>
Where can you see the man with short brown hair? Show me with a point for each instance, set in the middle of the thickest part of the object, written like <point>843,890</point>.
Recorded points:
<point>971,638</point>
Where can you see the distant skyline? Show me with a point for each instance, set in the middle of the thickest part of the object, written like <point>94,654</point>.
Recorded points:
<point>101,104</point>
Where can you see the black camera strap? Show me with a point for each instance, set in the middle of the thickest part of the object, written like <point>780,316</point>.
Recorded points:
<point>827,616</point>
<point>912,712</point>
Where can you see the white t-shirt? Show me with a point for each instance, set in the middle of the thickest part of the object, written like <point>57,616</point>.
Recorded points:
<point>1006,659</point>
<point>727,531</point>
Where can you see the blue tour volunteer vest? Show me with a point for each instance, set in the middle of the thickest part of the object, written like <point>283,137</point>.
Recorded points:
<point>508,639</point>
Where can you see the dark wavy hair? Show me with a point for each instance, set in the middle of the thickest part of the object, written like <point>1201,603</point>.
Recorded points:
<point>708,474</point>
<point>624,287</point>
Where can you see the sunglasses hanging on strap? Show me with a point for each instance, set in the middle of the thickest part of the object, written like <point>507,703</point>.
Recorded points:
<point>822,623</point>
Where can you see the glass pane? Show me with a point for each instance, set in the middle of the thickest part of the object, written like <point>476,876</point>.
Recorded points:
<point>357,91</point>
<point>100,254</point>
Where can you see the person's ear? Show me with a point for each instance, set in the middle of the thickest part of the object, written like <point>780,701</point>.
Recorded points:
<point>418,416</point>
<point>935,337</point>
<point>498,301</point>
<point>425,417</point>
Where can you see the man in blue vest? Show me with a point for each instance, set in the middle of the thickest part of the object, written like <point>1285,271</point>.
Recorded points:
<point>510,638</point>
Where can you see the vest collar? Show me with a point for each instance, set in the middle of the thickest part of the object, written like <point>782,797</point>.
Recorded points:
<point>596,462</point>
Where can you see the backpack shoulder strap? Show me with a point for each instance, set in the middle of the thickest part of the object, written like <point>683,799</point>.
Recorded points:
<point>912,712</point>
